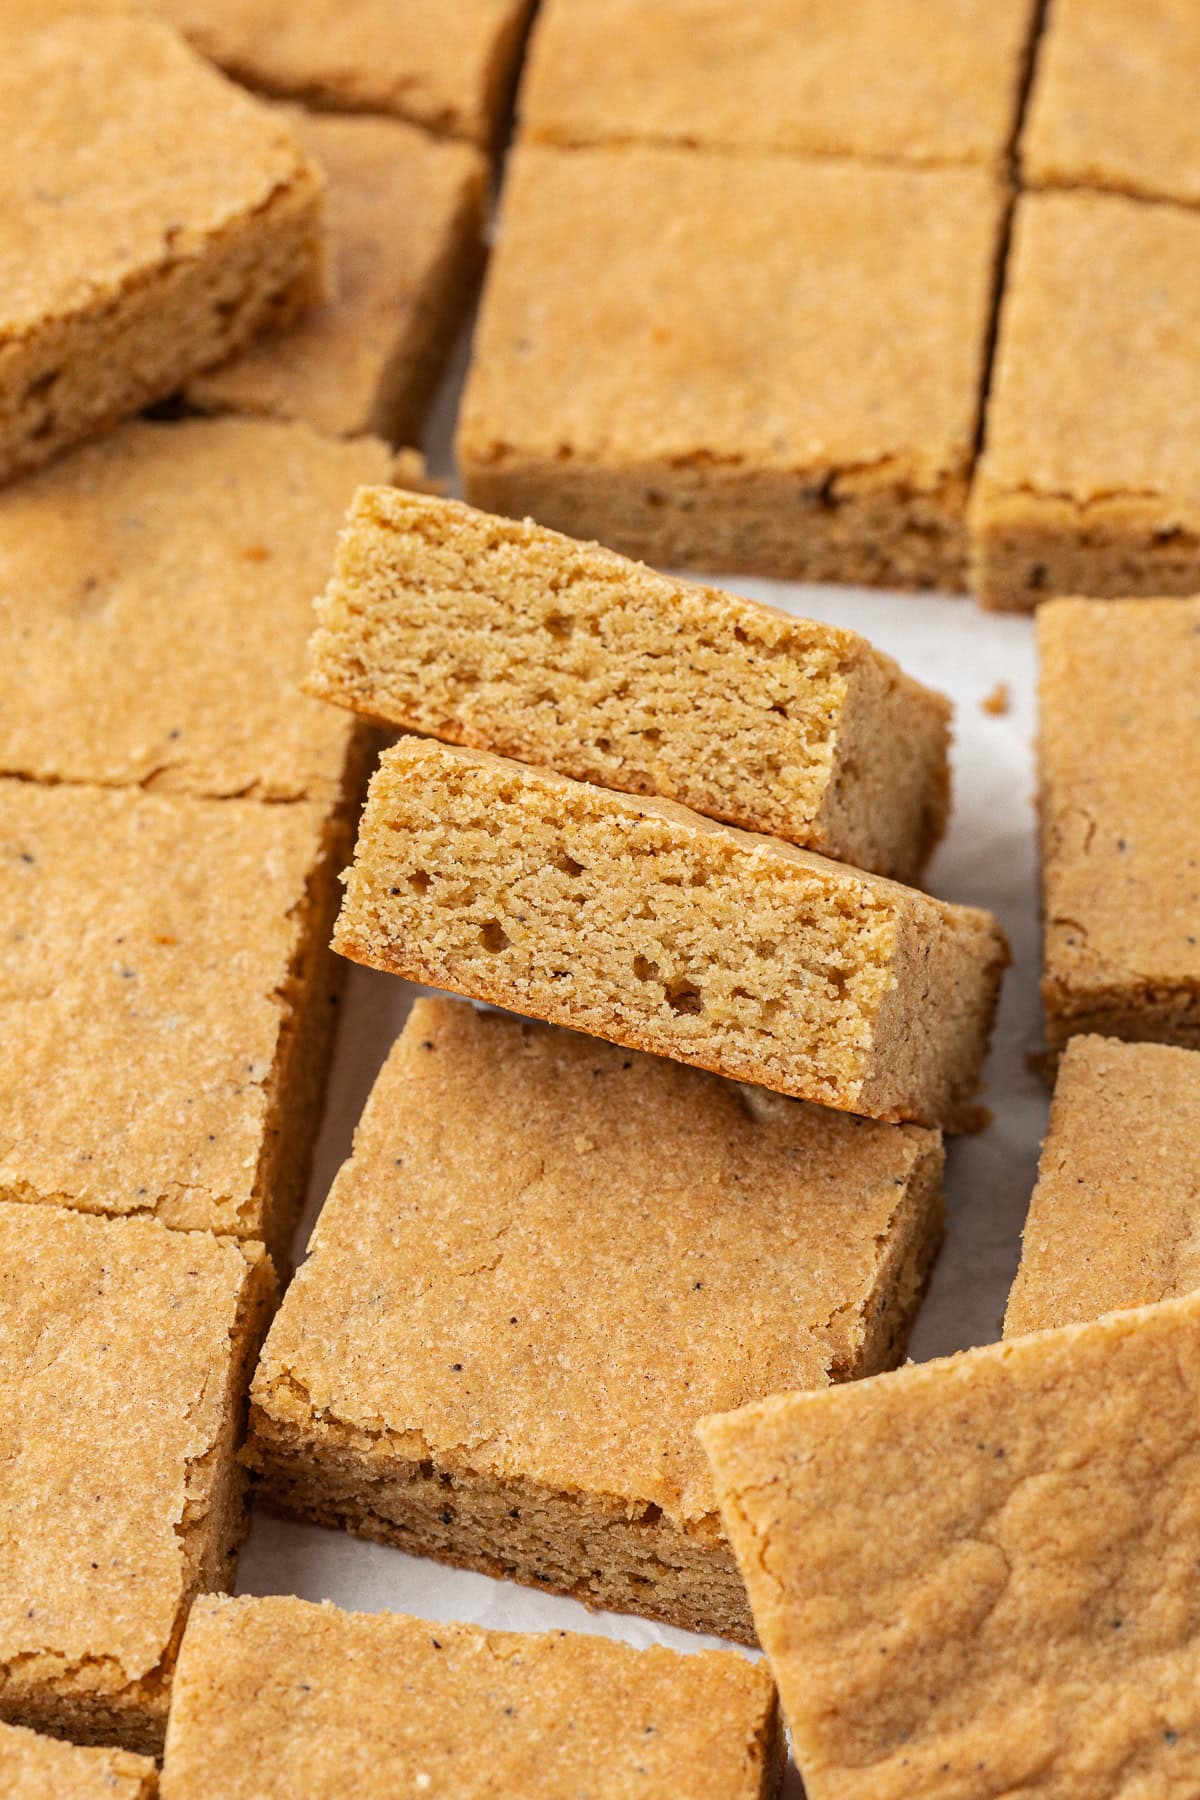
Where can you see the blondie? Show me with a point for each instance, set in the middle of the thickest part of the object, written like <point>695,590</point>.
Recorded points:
<point>44,1768</point>
<point>641,922</point>
<point>368,360</point>
<point>136,251</point>
<point>509,638</point>
<point>544,1261</point>
<point>1119,755</point>
<point>124,1352</point>
<point>277,1699</point>
<point>748,362</point>
<point>1113,1219</point>
<point>978,1576</point>
<point>1089,482</point>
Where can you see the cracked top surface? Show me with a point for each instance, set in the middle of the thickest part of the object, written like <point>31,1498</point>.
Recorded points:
<point>1119,739</point>
<point>156,592</point>
<point>1114,99</point>
<point>445,66</point>
<point>922,81</point>
<point>115,1347</point>
<point>145,952</point>
<point>1115,1217</point>
<point>97,184</point>
<point>650,304</point>
<point>276,1697</point>
<point>548,1257</point>
<point>1095,394</point>
<point>44,1768</point>
<point>977,1577</point>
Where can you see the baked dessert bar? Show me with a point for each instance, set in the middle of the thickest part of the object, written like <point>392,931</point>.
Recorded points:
<point>277,1699</point>
<point>44,1768</point>
<point>134,252</point>
<point>448,67</point>
<point>406,220</point>
<point>506,637</point>
<point>1089,482</point>
<point>124,1349</point>
<point>910,81</point>
<point>1114,100</point>
<point>155,602</point>
<point>747,362</point>
<point>641,922</point>
<point>978,1576</point>
<point>546,1259</point>
<point>169,1003</point>
<point>1113,1219</point>
<point>1119,755</point>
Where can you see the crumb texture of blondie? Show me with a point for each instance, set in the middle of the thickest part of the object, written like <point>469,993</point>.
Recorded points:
<point>502,636</point>
<point>124,1349</point>
<point>155,603</point>
<point>639,921</point>
<point>278,1699</point>
<point>1089,482</point>
<point>1115,1217</point>
<point>448,67</point>
<point>368,360</point>
<point>546,1259</point>
<point>1113,103</point>
<point>168,1003</point>
<point>44,1768</point>
<point>978,1576</point>
<point>660,363</point>
<point>908,81</point>
<point>1119,777</point>
<point>134,252</point>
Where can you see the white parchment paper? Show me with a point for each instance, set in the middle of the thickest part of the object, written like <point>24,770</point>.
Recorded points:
<point>987,859</point>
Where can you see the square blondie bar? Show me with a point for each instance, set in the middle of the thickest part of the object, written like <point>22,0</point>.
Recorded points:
<point>978,1576</point>
<point>155,602</point>
<point>745,362</point>
<point>124,1350</point>
<point>1119,777</point>
<point>44,1768</point>
<point>1115,1217</point>
<point>1113,104</point>
<point>406,219</point>
<point>641,922</point>
<point>169,1003</point>
<point>276,1699</point>
<point>135,250</point>
<point>1089,481</point>
<point>918,81</point>
<point>544,1261</point>
<point>506,637</point>
<point>449,67</point>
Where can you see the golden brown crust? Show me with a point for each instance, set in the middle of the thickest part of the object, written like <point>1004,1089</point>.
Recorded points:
<point>472,1364</point>
<point>641,922</point>
<point>1113,103</point>
<point>448,67</point>
<point>156,590</point>
<point>1115,1217</point>
<point>819,446</point>
<point>43,1768</point>
<point>369,359</point>
<point>920,81</point>
<point>277,1697</point>
<point>133,254</point>
<point>978,1576</point>
<point>1089,483</point>
<point>126,1351</point>
<point>1119,759</point>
